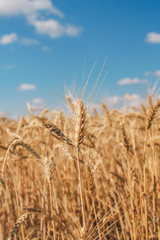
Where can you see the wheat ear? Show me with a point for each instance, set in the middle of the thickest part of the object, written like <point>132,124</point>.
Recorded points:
<point>135,115</point>
<point>80,123</point>
<point>49,168</point>
<point>125,139</point>
<point>90,180</point>
<point>27,147</point>
<point>54,130</point>
<point>106,114</point>
<point>149,101</point>
<point>152,114</point>
<point>17,225</point>
<point>66,151</point>
<point>70,104</point>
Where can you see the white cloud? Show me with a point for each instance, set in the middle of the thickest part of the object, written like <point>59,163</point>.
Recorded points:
<point>127,81</point>
<point>121,102</point>
<point>146,74</point>
<point>29,41</point>
<point>45,48</point>
<point>12,37</point>
<point>134,100</point>
<point>9,66</point>
<point>72,30</point>
<point>53,28</point>
<point>157,73</point>
<point>8,38</point>
<point>153,37</point>
<point>37,100</point>
<point>33,11</point>
<point>25,87</point>
<point>27,7</point>
<point>113,101</point>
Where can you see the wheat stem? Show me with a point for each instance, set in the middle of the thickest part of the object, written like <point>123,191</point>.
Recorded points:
<point>80,187</point>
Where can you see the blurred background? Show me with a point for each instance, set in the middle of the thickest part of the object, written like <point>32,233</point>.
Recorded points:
<point>49,45</point>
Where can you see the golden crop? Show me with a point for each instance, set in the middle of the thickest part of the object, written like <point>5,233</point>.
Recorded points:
<point>81,176</point>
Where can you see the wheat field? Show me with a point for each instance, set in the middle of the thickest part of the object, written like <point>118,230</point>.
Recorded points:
<point>81,176</point>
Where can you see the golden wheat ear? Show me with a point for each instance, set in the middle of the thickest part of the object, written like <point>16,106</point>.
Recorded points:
<point>55,131</point>
<point>70,104</point>
<point>21,220</point>
<point>90,180</point>
<point>149,101</point>
<point>152,114</point>
<point>125,139</point>
<point>66,151</point>
<point>106,114</point>
<point>27,147</point>
<point>17,225</point>
<point>80,122</point>
<point>49,167</point>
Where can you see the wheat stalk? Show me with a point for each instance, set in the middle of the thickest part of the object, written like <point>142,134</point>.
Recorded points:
<point>80,124</point>
<point>92,189</point>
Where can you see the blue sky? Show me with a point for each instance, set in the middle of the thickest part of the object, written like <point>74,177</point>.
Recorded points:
<point>44,45</point>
